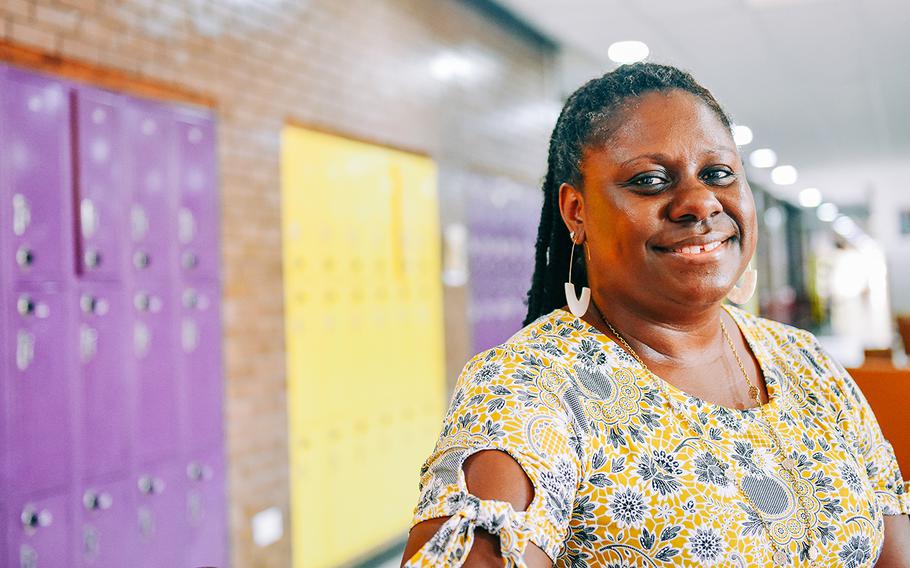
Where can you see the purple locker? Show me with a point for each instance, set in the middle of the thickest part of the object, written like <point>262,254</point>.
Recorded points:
<point>159,523</point>
<point>153,349</point>
<point>101,190</point>
<point>37,360</point>
<point>206,512</point>
<point>104,385</point>
<point>36,183</point>
<point>39,533</point>
<point>149,135</point>
<point>197,213</point>
<point>105,529</point>
<point>502,219</point>
<point>201,366</point>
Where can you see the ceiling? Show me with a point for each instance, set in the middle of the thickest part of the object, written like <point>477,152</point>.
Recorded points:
<point>824,83</point>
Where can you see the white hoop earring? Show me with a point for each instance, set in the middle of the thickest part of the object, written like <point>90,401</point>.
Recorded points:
<point>578,306</point>
<point>744,289</point>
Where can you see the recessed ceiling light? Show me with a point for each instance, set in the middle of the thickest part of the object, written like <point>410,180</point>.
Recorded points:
<point>784,175</point>
<point>826,212</point>
<point>810,197</point>
<point>763,158</point>
<point>627,51</point>
<point>742,134</point>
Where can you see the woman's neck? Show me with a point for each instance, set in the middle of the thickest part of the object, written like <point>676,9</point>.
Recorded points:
<point>684,337</point>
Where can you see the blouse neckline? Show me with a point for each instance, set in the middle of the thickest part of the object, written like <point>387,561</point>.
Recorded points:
<point>756,346</point>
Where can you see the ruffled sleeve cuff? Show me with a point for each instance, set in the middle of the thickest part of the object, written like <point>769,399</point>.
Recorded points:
<point>894,503</point>
<point>453,541</point>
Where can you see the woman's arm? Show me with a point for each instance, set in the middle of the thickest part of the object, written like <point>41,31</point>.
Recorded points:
<point>494,475</point>
<point>896,549</point>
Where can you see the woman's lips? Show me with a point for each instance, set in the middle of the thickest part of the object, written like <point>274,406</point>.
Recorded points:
<point>705,251</point>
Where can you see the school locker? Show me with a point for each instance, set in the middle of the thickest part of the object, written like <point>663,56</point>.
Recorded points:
<point>206,511</point>
<point>199,354</point>
<point>149,129</point>
<point>36,358</point>
<point>105,531</point>
<point>197,206</point>
<point>105,388</point>
<point>102,438</point>
<point>39,532</point>
<point>36,185</point>
<point>361,274</point>
<point>159,516</point>
<point>100,184</point>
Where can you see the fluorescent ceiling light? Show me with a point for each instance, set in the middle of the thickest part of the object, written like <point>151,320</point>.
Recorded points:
<point>763,158</point>
<point>827,212</point>
<point>742,134</point>
<point>449,66</point>
<point>784,175</point>
<point>627,51</point>
<point>810,197</point>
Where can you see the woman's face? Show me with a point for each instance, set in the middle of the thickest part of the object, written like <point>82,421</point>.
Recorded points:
<point>666,209</point>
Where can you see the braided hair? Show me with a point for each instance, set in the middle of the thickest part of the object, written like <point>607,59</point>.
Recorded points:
<point>588,119</point>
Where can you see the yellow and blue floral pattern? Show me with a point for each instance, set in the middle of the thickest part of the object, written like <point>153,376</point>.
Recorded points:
<point>620,480</point>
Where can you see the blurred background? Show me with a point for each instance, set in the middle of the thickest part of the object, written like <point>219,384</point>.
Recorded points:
<point>248,245</point>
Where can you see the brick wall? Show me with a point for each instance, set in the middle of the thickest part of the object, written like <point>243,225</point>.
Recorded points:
<point>361,68</point>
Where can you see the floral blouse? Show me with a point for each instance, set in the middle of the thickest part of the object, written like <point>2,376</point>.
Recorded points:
<point>621,480</point>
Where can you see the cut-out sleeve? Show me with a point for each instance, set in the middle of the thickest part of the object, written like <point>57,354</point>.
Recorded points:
<point>505,400</point>
<point>857,421</point>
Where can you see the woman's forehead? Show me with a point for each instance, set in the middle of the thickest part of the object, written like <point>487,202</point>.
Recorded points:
<point>668,123</point>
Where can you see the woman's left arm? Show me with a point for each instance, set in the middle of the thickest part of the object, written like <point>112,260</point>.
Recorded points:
<point>896,549</point>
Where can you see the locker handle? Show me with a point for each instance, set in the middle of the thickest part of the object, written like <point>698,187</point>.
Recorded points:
<point>32,518</point>
<point>92,257</point>
<point>25,257</point>
<point>196,471</point>
<point>88,343</point>
<point>139,222</point>
<point>88,217</point>
<point>151,485</point>
<point>95,501</point>
<point>25,305</point>
<point>22,215</point>
<point>25,350</point>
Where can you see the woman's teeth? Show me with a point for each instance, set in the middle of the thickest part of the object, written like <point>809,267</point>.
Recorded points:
<point>698,249</point>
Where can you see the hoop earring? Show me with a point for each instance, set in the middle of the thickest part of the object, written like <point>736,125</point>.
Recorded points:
<point>578,306</point>
<point>744,289</point>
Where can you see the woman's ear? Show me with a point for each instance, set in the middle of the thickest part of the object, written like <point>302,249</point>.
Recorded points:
<point>571,207</point>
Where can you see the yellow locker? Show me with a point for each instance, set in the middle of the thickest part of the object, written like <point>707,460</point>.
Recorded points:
<point>365,360</point>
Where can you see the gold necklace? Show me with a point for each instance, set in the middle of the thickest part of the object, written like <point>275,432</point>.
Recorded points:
<point>779,556</point>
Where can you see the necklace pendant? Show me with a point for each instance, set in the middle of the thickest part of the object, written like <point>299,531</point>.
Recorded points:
<point>780,557</point>
<point>813,552</point>
<point>753,393</point>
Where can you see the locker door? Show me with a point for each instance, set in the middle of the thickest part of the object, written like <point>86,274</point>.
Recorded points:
<point>149,131</point>
<point>39,534</point>
<point>105,525</point>
<point>36,356</point>
<point>201,367</point>
<point>36,184</point>
<point>104,384</point>
<point>159,523</point>
<point>197,215</point>
<point>153,351</point>
<point>101,188</point>
<point>206,512</point>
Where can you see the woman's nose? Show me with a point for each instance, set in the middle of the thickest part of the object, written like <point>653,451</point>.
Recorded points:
<point>693,201</point>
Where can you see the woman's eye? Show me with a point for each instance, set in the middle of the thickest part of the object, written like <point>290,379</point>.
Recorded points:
<point>719,175</point>
<point>648,181</point>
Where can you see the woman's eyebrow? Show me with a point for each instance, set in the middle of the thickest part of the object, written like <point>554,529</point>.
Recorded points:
<point>660,157</point>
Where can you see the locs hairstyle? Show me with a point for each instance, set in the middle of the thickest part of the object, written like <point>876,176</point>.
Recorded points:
<point>588,118</point>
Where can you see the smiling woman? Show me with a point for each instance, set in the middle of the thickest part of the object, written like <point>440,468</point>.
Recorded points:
<point>654,425</point>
